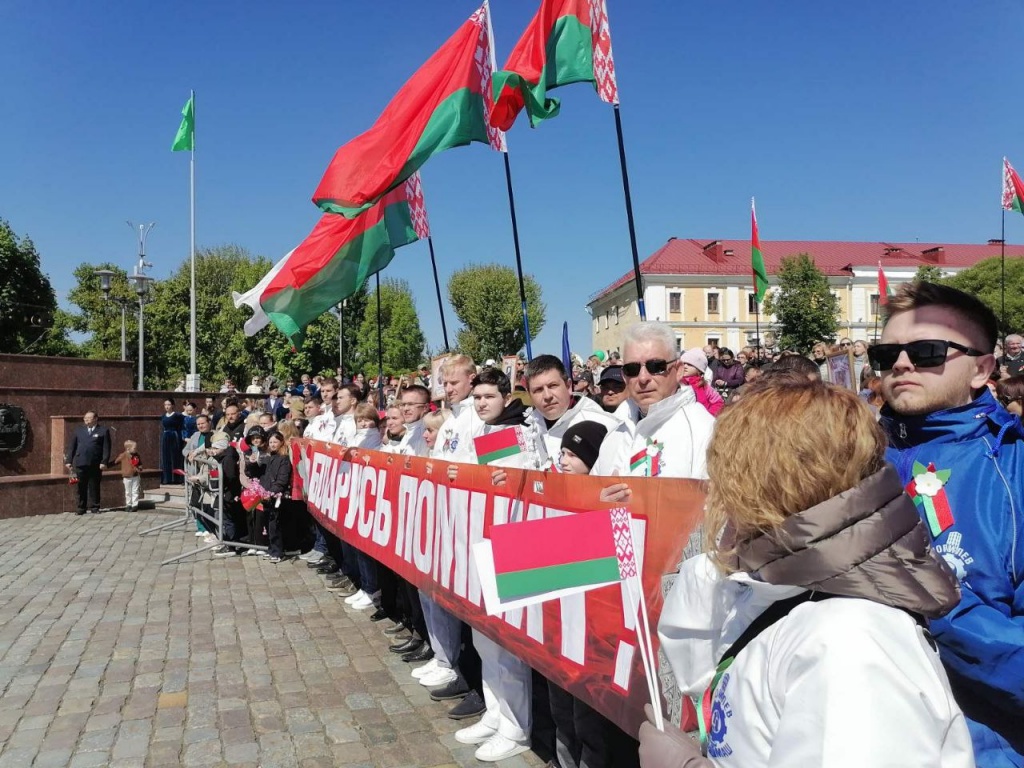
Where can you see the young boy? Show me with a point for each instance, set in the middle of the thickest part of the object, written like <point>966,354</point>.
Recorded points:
<point>581,444</point>
<point>504,729</point>
<point>131,471</point>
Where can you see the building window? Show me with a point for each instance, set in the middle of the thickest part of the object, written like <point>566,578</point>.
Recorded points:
<point>713,341</point>
<point>874,304</point>
<point>752,308</point>
<point>597,325</point>
<point>615,314</point>
<point>606,320</point>
<point>679,344</point>
<point>713,303</point>
<point>675,303</point>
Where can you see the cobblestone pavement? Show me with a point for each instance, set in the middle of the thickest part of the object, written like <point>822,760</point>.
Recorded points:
<point>109,659</point>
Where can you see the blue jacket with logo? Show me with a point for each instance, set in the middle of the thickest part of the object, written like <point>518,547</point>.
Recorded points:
<point>981,642</point>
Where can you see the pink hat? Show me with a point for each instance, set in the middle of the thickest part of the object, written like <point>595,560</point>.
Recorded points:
<point>696,358</point>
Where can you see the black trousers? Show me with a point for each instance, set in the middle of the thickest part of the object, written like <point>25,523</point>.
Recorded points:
<point>390,602</point>
<point>88,487</point>
<point>584,738</point>
<point>414,609</point>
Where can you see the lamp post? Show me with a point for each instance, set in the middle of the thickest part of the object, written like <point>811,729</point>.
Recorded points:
<point>106,276</point>
<point>142,283</point>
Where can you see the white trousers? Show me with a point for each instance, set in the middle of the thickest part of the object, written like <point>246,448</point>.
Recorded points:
<point>508,689</point>
<point>131,491</point>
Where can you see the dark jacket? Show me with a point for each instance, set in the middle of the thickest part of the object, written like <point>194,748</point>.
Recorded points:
<point>89,450</point>
<point>514,415</point>
<point>277,475</point>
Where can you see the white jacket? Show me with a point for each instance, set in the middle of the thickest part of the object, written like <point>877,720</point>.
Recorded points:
<point>345,430</point>
<point>368,439</point>
<point>322,427</point>
<point>675,433</point>
<point>455,438</point>
<point>528,459</point>
<point>841,682</point>
<point>413,443</point>
<point>549,443</point>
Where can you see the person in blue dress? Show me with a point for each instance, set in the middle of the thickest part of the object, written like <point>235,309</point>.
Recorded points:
<point>189,412</point>
<point>171,458</point>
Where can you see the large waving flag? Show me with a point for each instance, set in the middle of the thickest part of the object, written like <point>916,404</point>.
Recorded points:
<point>568,41</point>
<point>334,261</point>
<point>1013,189</point>
<point>756,259</point>
<point>442,106</point>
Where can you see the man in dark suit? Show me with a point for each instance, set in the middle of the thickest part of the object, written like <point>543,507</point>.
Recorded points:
<point>274,404</point>
<point>89,455</point>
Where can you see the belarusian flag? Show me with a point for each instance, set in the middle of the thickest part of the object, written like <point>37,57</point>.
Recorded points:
<point>756,259</point>
<point>568,41</point>
<point>537,560</point>
<point>499,445</point>
<point>883,288</point>
<point>336,258</point>
<point>1013,189</point>
<point>442,106</point>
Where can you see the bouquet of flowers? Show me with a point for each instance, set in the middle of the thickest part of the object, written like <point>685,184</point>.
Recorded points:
<point>254,495</point>
<point>72,477</point>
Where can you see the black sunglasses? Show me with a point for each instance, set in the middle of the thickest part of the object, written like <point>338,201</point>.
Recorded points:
<point>927,353</point>
<point>654,367</point>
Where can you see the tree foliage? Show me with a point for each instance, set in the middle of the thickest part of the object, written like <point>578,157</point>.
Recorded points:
<point>222,349</point>
<point>804,307</point>
<point>27,300</point>
<point>984,279</point>
<point>402,339</point>
<point>486,300</point>
<point>928,273</point>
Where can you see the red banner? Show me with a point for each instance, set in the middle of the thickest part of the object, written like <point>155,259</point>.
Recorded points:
<point>406,513</point>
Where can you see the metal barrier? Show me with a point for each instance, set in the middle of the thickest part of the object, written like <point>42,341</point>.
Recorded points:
<point>204,500</point>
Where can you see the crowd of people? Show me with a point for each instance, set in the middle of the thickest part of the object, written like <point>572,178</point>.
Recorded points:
<point>904,499</point>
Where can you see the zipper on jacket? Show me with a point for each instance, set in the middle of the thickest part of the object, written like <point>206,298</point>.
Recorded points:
<point>903,431</point>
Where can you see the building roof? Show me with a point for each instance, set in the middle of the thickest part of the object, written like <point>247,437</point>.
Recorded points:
<point>835,258</point>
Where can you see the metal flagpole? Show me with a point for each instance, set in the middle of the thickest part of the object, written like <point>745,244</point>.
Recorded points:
<point>192,251</point>
<point>380,349</point>
<point>757,325</point>
<point>341,338</point>
<point>629,216</point>
<point>519,258</point>
<point>437,287</point>
<point>1002,278</point>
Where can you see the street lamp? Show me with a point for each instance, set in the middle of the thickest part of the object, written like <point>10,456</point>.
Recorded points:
<point>105,276</point>
<point>142,283</point>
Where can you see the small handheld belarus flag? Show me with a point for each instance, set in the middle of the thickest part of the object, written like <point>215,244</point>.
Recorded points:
<point>499,445</point>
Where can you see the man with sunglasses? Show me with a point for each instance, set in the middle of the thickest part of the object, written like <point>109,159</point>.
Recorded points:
<point>961,457</point>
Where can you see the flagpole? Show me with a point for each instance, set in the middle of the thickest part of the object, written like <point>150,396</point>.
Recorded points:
<point>629,215</point>
<point>1002,277</point>
<point>380,348</point>
<point>757,325</point>
<point>192,249</point>
<point>519,258</point>
<point>437,287</point>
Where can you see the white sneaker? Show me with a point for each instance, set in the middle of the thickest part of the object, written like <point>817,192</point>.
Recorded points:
<point>440,676</point>
<point>209,538</point>
<point>357,596</point>
<point>500,747</point>
<point>251,551</point>
<point>200,534</point>
<point>362,603</point>
<point>426,669</point>
<point>477,733</point>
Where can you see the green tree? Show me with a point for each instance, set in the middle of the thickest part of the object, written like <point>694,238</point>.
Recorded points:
<point>983,280</point>
<point>486,300</point>
<point>403,341</point>
<point>99,318</point>
<point>928,273</point>
<point>804,308</point>
<point>27,300</point>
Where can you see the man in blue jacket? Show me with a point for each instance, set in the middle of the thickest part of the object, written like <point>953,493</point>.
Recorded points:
<point>961,457</point>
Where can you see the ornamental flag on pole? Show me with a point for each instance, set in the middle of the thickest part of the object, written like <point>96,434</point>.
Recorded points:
<point>568,41</point>
<point>334,261</point>
<point>185,138</point>
<point>1013,189</point>
<point>756,259</point>
<point>883,288</point>
<point>446,104</point>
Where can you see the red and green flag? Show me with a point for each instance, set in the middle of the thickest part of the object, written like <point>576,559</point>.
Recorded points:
<point>884,293</point>
<point>1013,189</point>
<point>499,445</point>
<point>537,560</point>
<point>756,259</point>
<point>334,261</point>
<point>442,106</point>
<point>568,41</point>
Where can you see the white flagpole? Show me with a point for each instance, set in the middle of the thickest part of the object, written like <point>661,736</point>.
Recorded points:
<point>648,662</point>
<point>192,245</point>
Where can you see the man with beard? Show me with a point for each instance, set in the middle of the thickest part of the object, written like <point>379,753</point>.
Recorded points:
<point>612,395</point>
<point>961,457</point>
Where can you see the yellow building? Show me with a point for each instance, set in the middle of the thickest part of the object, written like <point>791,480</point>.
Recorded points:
<point>703,289</point>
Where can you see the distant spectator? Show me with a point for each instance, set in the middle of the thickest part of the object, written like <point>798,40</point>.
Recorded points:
<point>1010,393</point>
<point>1012,362</point>
<point>131,470</point>
<point>172,425</point>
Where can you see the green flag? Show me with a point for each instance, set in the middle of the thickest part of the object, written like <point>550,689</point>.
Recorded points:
<point>185,139</point>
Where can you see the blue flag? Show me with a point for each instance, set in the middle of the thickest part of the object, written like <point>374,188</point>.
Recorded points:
<point>566,353</point>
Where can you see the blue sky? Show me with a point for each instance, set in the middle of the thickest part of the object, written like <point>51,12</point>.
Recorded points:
<point>866,121</point>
